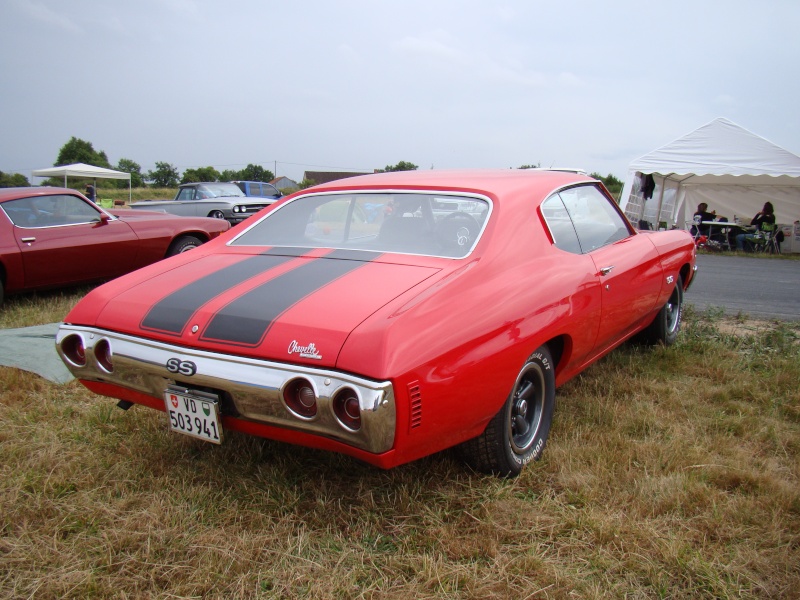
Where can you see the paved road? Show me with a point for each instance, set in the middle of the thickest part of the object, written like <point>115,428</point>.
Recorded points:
<point>756,287</point>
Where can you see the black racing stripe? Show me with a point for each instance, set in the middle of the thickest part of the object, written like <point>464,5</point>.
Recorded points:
<point>247,319</point>
<point>172,313</point>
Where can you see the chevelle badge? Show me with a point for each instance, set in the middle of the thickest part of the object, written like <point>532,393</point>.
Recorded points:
<point>309,351</point>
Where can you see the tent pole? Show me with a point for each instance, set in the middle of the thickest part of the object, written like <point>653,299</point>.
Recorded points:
<point>661,202</point>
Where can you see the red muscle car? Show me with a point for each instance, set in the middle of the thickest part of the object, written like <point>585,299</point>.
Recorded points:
<point>388,316</point>
<point>53,237</point>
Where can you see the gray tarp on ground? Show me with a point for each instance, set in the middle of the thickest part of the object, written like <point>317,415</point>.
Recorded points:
<point>33,349</point>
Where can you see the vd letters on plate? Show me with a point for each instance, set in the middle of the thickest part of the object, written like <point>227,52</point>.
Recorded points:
<point>194,413</point>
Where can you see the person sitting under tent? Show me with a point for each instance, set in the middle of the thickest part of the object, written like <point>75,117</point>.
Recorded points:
<point>702,214</point>
<point>766,215</point>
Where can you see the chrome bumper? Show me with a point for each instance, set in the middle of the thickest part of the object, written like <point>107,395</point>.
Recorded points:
<point>253,387</point>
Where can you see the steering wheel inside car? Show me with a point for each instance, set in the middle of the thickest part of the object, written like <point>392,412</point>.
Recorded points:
<point>457,231</point>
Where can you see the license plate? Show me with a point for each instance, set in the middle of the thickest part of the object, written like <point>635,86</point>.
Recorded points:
<point>194,413</point>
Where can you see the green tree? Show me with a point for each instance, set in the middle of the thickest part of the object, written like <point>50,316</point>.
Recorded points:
<point>612,184</point>
<point>255,173</point>
<point>537,166</point>
<point>401,166</point>
<point>126,165</point>
<point>13,180</point>
<point>200,174</point>
<point>163,176</point>
<point>81,151</point>
<point>250,173</point>
<point>306,183</point>
<point>229,175</point>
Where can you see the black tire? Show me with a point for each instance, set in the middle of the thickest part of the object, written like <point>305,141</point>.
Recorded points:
<point>184,244</point>
<point>517,434</point>
<point>665,327</point>
<point>216,214</point>
<point>2,292</point>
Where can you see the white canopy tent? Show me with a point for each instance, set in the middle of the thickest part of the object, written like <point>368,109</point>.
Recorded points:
<point>722,164</point>
<point>85,171</point>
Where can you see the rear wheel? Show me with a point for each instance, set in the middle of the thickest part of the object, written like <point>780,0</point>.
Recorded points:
<point>665,327</point>
<point>184,244</point>
<point>517,434</point>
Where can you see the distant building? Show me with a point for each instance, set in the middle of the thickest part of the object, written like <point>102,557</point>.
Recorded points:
<point>319,177</point>
<point>284,183</point>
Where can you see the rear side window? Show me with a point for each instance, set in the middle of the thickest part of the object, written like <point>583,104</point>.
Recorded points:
<point>595,221</point>
<point>267,189</point>
<point>560,224</point>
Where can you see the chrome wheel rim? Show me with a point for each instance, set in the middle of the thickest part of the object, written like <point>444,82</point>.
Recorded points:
<point>673,310</point>
<point>527,404</point>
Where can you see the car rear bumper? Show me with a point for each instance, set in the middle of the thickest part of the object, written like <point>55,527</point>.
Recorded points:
<point>247,388</point>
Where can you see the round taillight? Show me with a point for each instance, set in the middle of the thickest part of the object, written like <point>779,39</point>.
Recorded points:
<point>102,352</point>
<point>347,409</point>
<point>300,398</point>
<point>73,349</point>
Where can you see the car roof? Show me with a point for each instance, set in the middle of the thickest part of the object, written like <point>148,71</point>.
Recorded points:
<point>27,192</point>
<point>491,182</point>
<point>206,183</point>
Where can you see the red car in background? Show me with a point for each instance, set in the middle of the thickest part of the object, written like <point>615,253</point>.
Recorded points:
<point>388,316</point>
<point>52,237</point>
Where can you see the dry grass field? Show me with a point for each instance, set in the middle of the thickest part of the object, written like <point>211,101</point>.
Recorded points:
<point>670,473</point>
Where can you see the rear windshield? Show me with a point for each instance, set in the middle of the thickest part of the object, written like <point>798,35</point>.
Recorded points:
<point>407,223</point>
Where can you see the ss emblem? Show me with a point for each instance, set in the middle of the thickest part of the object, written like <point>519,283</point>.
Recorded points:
<point>181,367</point>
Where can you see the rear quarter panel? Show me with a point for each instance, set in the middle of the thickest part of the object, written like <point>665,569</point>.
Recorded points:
<point>156,232</point>
<point>11,269</point>
<point>678,256</point>
<point>454,349</point>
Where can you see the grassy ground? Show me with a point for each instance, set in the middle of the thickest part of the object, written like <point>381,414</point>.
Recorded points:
<point>670,473</point>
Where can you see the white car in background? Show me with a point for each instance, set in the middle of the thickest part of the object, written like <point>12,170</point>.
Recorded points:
<point>209,199</point>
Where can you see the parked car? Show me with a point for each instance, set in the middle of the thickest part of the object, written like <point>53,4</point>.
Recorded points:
<point>388,316</point>
<point>52,237</point>
<point>208,199</point>
<point>260,189</point>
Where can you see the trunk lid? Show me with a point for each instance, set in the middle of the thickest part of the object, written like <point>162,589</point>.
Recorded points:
<point>273,305</point>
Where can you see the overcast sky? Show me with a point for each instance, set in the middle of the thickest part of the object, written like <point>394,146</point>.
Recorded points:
<point>361,84</point>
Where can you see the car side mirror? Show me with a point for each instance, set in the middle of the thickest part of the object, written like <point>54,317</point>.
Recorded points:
<point>102,220</point>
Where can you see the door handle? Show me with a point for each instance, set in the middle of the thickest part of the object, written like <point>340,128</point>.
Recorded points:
<point>27,240</point>
<point>606,270</point>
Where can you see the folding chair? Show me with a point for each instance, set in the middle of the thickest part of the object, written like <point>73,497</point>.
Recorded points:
<point>767,241</point>
<point>721,238</point>
<point>695,229</point>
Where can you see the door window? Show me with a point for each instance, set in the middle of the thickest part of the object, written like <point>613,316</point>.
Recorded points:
<point>50,211</point>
